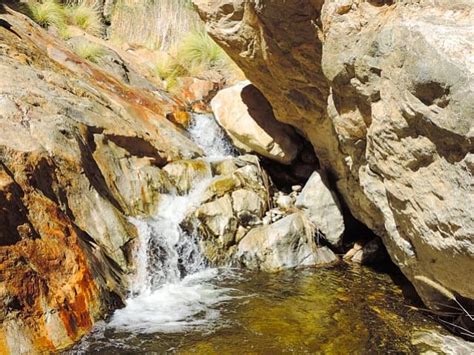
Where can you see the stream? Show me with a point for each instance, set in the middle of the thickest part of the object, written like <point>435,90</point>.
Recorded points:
<point>179,305</point>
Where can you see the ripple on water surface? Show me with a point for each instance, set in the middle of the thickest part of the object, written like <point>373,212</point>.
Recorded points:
<point>338,310</point>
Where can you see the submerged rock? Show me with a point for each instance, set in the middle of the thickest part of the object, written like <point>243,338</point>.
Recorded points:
<point>284,244</point>
<point>248,119</point>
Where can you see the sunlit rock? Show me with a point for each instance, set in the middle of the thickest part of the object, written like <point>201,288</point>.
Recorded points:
<point>322,207</point>
<point>248,119</point>
<point>185,174</point>
<point>284,244</point>
<point>384,92</point>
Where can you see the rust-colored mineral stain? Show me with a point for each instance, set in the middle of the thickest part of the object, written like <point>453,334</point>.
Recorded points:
<point>43,343</point>
<point>52,268</point>
<point>76,317</point>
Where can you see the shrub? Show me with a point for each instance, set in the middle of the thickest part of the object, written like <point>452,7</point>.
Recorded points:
<point>86,17</point>
<point>47,13</point>
<point>90,51</point>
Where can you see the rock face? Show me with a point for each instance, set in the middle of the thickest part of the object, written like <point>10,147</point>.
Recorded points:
<point>384,90</point>
<point>248,119</point>
<point>79,152</point>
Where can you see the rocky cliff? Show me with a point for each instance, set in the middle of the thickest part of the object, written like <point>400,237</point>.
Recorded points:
<point>384,90</point>
<point>80,151</point>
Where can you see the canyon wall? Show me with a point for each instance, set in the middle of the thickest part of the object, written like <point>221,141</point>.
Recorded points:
<point>384,90</point>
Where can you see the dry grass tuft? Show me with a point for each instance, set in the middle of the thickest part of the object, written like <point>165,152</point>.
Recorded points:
<point>86,17</point>
<point>47,13</point>
<point>90,51</point>
<point>199,50</point>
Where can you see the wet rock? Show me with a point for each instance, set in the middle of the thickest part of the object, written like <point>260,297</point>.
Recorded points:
<point>133,181</point>
<point>248,119</point>
<point>248,206</point>
<point>322,207</point>
<point>287,243</point>
<point>234,200</point>
<point>241,232</point>
<point>226,166</point>
<point>218,221</point>
<point>197,93</point>
<point>186,174</point>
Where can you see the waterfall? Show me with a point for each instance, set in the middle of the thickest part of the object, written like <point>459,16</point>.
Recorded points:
<point>210,137</point>
<point>172,289</point>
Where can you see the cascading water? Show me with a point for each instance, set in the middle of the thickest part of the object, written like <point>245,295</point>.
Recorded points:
<point>210,137</point>
<point>172,291</point>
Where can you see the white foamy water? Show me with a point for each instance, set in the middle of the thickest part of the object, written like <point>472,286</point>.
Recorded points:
<point>172,290</point>
<point>174,307</point>
<point>210,137</point>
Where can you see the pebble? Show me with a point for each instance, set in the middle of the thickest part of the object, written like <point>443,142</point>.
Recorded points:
<point>296,188</point>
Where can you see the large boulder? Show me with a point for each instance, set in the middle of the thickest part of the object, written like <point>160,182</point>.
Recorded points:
<point>322,208</point>
<point>384,90</point>
<point>287,243</point>
<point>248,119</point>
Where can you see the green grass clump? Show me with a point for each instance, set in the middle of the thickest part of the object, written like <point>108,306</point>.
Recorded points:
<point>47,13</point>
<point>86,17</point>
<point>90,51</point>
<point>199,50</point>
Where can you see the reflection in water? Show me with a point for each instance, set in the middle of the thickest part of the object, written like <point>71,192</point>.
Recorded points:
<point>339,310</point>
